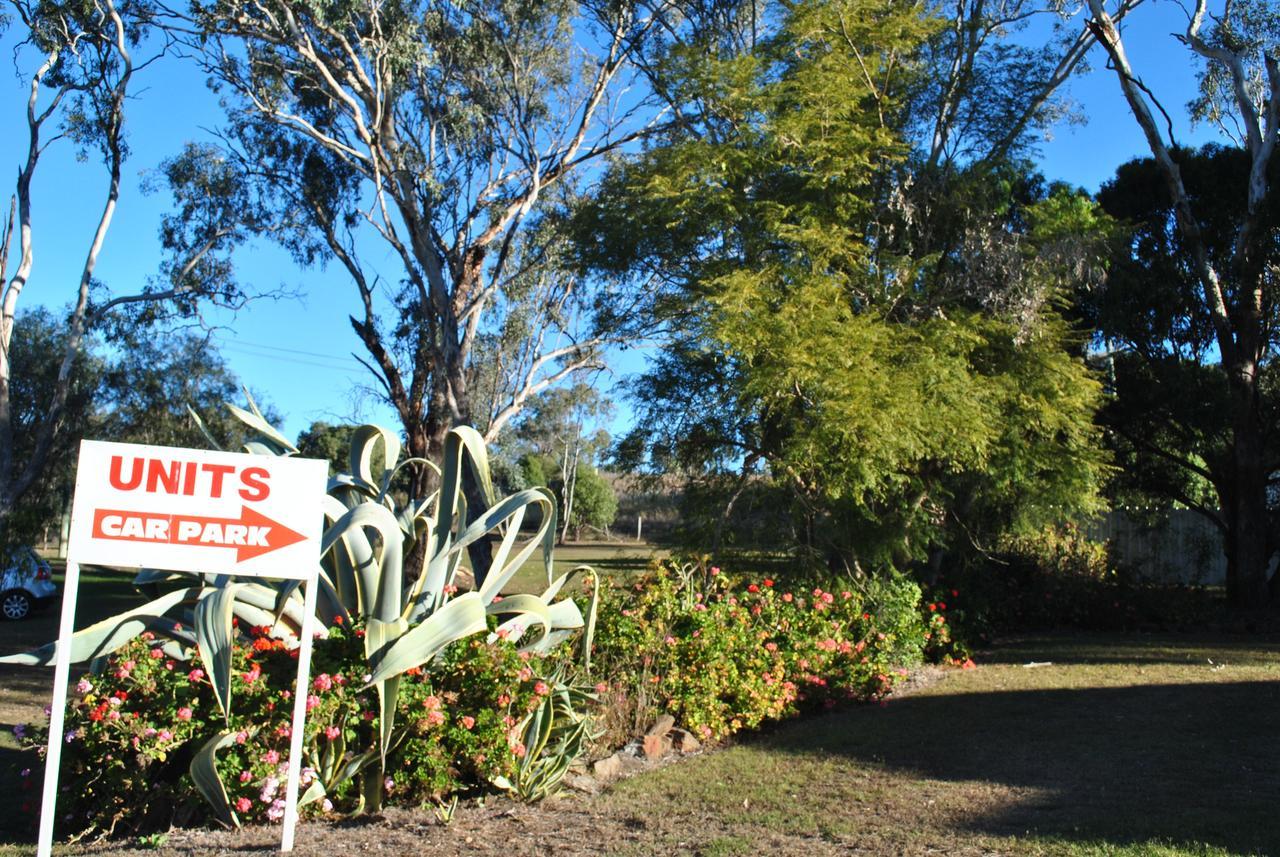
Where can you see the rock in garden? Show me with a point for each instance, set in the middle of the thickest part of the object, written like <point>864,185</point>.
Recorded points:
<point>656,746</point>
<point>662,725</point>
<point>684,742</point>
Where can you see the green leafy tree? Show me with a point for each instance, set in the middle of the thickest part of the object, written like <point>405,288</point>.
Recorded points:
<point>169,391</point>
<point>1225,242</point>
<point>39,336</point>
<point>327,441</point>
<point>79,65</point>
<point>909,397</point>
<point>1170,418</point>
<point>595,504</point>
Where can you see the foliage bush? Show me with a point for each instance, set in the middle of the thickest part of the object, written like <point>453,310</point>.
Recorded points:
<point>133,729</point>
<point>1060,578</point>
<point>722,655</point>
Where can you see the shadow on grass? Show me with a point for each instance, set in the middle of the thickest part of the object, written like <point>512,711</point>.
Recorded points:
<point>1136,649</point>
<point>1187,763</point>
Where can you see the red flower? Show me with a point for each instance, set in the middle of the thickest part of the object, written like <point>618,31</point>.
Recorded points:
<point>768,582</point>
<point>753,588</point>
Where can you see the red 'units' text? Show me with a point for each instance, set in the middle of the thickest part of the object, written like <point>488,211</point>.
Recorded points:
<point>188,478</point>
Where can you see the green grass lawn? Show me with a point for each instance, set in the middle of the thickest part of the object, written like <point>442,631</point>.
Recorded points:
<point>1118,745</point>
<point>1124,745</point>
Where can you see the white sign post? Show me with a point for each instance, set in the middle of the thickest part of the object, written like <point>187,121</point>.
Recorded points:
<point>197,511</point>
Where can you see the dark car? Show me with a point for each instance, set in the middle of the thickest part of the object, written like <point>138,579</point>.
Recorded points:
<point>26,583</point>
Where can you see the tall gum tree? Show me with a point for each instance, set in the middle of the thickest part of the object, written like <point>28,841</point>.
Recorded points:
<point>430,148</point>
<point>82,70</point>
<point>1240,91</point>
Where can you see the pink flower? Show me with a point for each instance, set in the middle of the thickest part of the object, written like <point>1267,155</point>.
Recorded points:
<point>276,812</point>
<point>245,776</point>
<point>431,703</point>
<point>271,757</point>
<point>195,675</point>
<point>602,687</point>
<point>435,718</point>
<point>771,647</point>
<point>312,701</point>
<point>156,654</point>
<point>332,733</point>
<point>541,688</point>
<point>787,596</point>
<point>164,735</point>
<point>184,713</point>
<point>519,750</point>
<point>322,682</point>
<point>669,640</point>
<point>83,686</point>
<point>468,721</point>
<point>241,737</point>
<point>326,805</point>
<point>525,674</point>
<point>243,804</point>
<point>715,570</point>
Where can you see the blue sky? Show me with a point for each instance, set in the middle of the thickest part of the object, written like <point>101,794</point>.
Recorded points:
<point>297,352</point>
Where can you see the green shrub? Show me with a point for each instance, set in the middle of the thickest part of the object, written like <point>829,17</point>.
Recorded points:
<point>133,730</point>
<point>1060,578</point>
<point>722,655</point>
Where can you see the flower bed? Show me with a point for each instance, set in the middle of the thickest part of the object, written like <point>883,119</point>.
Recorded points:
<point>723,656</point>
<point>720,656</point>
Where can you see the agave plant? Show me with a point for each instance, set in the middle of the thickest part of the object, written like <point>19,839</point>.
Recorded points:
<point>409,614</point>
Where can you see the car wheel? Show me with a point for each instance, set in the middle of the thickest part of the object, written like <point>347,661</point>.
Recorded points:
<point>15,604</point>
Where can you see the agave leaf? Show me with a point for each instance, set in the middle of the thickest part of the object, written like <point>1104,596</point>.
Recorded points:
<point>497,515</point>
<point>149,576</point>
<point>204,773</point>
<point>314,792</point>
<point>377,636</point>
<point>256,422</point>
<point>365,441</point>
<point>460,444</point>
<point>461,617</point>
<point>213,638</point>
<point>256,617</point>
<point>381,581</point>
<point>423,462</point>
<point>258,447</point>
<point>103,638</point>
<point>528,608</point>
<point>204,429</point>
<point>548,643</point>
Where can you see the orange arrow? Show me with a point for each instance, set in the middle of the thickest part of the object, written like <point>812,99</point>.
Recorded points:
<point>252,534</point>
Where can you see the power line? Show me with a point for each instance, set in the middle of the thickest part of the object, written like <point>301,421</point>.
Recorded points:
<point>351,367</point>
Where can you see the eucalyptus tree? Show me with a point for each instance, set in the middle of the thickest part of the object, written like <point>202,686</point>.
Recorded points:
<point>79,62</point>
<point>429,149</point>
<point>1237,46</point>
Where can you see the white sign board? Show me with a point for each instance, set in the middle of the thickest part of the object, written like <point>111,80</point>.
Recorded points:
<point>198,511</point>
<point>195,510</point>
